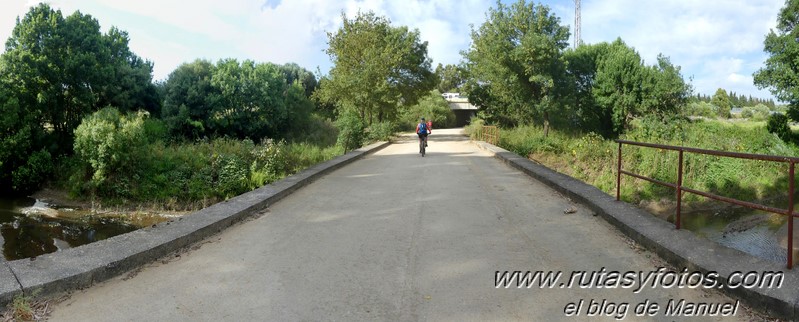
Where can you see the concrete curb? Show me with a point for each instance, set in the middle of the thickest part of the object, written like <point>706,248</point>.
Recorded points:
<point>83,266</point>
<point>681,248</point>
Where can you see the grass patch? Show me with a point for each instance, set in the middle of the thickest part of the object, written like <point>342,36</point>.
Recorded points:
<point>592,159</point>
<point>25,308</point>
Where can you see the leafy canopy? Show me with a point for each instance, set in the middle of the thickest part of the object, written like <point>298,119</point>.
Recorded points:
<point>377,68</point>
<point>781,73</point>
<point>515,68</point>
<point>55,70</point>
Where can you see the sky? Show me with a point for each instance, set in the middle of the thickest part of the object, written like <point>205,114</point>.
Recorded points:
<point>717,43</point>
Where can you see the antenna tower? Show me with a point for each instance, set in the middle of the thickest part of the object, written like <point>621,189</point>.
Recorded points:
<point>577,39</point>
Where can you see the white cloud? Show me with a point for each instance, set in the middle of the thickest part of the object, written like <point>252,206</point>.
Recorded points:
<point>694,34</point>
<point>697,35</point>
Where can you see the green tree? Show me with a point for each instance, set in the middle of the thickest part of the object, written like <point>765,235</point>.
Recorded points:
<point>778,124</point>
<point>722,103</point>
<point>377,68</point>
<point>781,73</point>
<point>21,137</point>
<point>582,66</point>
<point>236,99</point>
<point>618,85</point>
<point>295,73</point>
<point>126,79</point>
<point>515,67</point>
<point>450,78</point>
<point>611,86</point>
<point>432,107</point>
<point>252,100</point>
<point>63,68</point>
<point>190,99</point>
<point>666,91</point>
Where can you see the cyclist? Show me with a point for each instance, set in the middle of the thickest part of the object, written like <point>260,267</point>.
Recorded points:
<point>422,131</point>
<point>429,131</point>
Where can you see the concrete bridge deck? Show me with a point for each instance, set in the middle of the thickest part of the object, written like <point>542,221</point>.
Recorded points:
<point>392,237</point>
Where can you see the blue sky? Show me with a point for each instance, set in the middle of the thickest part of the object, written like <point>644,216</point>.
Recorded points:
<point>718,43</point>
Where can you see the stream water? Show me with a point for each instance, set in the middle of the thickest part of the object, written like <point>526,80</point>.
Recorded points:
<point>757,233</point>
<point>30,228</point>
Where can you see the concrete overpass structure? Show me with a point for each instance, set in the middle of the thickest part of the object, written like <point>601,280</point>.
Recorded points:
<point>463,110</point>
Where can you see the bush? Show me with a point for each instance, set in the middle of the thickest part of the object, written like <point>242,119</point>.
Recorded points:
<point>155,130</point>
<point>232,175</point>
<point>317,131</point>
<point>756,113</point>
<point>351,131</point>
<point>704,109</point>
<point>474,128</point>
<point>269,162</point>
<point>778,124</point>
<point>381,131</point>
<point>107,141</point>
<point>432,107</point>
<point>38,169</point>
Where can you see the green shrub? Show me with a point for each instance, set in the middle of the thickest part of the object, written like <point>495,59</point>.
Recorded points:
<point>317,131</point>
<point>778,124</point>
<point>757,113</point>
<point>108,140</point>
<point>155,130</point>
<point>474,128</point>
<point>432,107</point>
<point>381,131</point>
<point>232,174</point>
<point>269,162</point>
<point>351,131</point>
<point>36,170</point>
<point>704,109</point>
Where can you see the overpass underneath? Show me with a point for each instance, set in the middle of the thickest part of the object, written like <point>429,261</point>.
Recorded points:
<point>464,111</point>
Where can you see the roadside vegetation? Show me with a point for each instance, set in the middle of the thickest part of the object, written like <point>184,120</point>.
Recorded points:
<point>592,159</point>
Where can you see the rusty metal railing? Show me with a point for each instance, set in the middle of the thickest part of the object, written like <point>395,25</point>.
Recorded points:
<point>489,134</point>
<point>680,189</point>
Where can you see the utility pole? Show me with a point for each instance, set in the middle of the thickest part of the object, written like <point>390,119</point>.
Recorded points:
<point>577,39</point>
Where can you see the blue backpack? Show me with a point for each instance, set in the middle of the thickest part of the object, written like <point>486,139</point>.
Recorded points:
<point>423,128</point>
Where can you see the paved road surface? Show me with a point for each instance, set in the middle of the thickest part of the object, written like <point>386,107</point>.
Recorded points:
<point>391,237</point>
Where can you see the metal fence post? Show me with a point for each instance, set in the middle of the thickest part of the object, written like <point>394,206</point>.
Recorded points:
<point>618,176</point>
<point>790,214</point>
<point>677,219</point>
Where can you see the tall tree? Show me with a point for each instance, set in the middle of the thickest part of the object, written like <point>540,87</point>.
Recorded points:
<point>190,99</point>
<point>63,68</point>
<point>450,78</point>
<point>252,99</point>
<point>613,86</point>
<point>232,98</point>
<point>618,84</point>
<point>295,73</point>
<point>377,68</point>
<point>781,73</point>
<point>722,103</point>
<point>515,63</point>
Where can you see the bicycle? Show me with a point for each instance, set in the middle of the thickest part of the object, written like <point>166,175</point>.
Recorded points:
<point>422,144</point>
